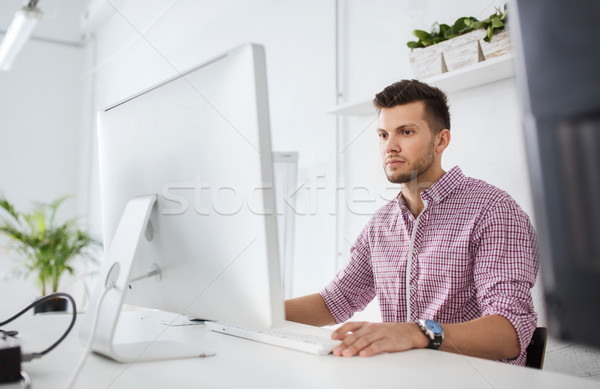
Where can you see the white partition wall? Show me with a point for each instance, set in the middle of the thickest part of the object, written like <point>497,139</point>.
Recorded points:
<point>285,171</point>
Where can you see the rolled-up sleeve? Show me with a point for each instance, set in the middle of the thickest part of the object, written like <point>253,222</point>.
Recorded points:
<point>353,287</point>
<point>505,269</point>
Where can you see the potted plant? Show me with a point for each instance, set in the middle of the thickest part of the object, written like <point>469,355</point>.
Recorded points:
<point>48,248</point>
<point>467,41</point>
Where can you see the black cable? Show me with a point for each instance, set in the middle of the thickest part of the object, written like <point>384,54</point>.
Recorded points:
<point>9,333</point>
<point>29,357</point>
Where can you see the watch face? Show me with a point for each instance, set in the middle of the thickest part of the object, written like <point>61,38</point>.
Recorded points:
<point>434,326</point>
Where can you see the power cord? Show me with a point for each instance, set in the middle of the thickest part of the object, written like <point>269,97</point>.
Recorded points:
<point>26,380</point>
<point>88,347</point>
<point>31,356</point>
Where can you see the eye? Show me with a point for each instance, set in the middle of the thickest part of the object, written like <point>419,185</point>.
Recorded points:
<point>383,135</point>
<point>408,132</point>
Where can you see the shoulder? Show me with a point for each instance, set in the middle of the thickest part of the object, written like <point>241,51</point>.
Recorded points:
<point>494,208</point>
<point>476,193</point>
<point>485,203</point>
<point>477,189</point>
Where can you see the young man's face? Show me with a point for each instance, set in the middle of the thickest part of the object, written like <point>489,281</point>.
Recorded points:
<point>406,143</point>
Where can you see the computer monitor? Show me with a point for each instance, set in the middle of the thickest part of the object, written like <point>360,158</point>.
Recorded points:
<point>188,207</point>
<point>557,70</point>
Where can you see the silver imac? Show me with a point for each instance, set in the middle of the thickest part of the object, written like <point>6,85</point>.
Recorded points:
<point>188,205</point>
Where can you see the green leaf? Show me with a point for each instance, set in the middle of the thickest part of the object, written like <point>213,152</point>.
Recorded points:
<point>450,34</point>
<point>470,25</point>
<point>426,42</point>
<point>478,25</point>
<point>504,14</point>
<point>461,23</point>
<point>421,34</point>
<point>489,34</point>
<point>444,28</point>
<point>414,44</point>
<point>9,208</point>
<point>497,23</point>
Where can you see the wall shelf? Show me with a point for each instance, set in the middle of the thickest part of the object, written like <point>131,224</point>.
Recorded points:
<point>488,71</point>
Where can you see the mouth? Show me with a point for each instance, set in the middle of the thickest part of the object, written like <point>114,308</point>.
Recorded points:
<point>392,162</point>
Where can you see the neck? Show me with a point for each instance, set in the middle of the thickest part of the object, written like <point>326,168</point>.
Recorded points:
<point>411,191</point>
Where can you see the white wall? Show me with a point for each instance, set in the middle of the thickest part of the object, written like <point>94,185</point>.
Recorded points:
<point>41,106</point>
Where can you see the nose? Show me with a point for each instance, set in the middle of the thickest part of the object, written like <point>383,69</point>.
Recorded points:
<point>392,145</point>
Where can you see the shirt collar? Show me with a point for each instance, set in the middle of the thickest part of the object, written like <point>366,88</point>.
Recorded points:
<point>443,186</point>
<point>439,190</point>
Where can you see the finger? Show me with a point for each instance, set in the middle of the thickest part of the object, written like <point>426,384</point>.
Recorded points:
<point>353,343</point>
<point>345,328</point>
<point>348,340</point>
<point>360,343</point>
<point>374,348</point>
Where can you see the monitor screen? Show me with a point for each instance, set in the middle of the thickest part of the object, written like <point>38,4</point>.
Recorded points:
<point>200,143</point>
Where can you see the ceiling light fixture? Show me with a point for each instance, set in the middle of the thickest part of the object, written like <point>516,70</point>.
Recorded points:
<point>18,33</point>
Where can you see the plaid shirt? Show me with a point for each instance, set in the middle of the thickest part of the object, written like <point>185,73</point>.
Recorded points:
<point>471,252</point>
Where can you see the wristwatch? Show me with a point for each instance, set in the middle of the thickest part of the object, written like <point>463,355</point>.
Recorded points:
<point>432,330</point>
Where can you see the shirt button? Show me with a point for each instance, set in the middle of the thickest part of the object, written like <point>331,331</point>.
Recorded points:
<point>415,251</point>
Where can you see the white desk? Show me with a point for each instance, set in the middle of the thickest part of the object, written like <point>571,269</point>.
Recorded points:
<point>242,363</point>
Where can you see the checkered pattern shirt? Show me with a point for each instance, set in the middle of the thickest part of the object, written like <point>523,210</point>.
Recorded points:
<point>471,252</point>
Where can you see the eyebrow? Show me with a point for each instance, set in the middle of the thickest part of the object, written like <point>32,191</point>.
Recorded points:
<point>400,128</point>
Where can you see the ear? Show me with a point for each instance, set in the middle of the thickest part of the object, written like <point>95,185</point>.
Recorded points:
<point>442,140</point>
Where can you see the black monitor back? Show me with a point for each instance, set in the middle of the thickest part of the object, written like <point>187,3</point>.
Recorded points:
<point>558,70</point>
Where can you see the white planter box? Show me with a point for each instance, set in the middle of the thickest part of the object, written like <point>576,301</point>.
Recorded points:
<point>456,53</point>
<point>500,45</point>
<point>464,50</point>
<point>428,61</point>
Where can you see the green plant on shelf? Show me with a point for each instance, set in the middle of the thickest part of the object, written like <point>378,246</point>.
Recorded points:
<point>48,248</point>
<point>441,32</point>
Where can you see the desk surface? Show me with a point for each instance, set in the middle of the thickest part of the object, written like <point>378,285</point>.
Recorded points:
<point>243,363</point>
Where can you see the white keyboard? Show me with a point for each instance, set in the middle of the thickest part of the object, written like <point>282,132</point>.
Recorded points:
<point>291,335</point>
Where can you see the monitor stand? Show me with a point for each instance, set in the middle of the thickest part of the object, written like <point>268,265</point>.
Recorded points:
<point>116,276</point>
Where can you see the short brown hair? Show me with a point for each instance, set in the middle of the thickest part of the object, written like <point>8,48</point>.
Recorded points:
<point>408,91</point>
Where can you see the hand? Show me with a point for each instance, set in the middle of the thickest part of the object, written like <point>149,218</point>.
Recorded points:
<point>367,339</point>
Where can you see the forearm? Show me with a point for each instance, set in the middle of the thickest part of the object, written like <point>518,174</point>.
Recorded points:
<point>310,309</point>
<point>491,337</point>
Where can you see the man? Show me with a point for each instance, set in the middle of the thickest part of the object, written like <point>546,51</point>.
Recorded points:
<point>452,259</point>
